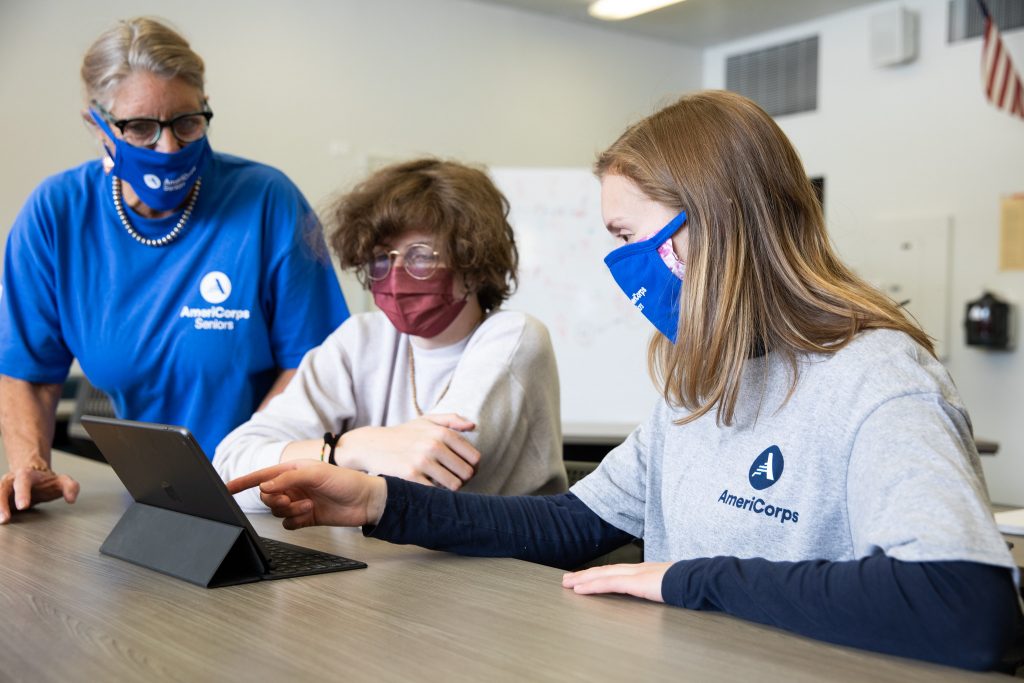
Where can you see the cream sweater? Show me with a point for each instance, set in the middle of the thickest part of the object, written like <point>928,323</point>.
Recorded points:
<point>503,378</point>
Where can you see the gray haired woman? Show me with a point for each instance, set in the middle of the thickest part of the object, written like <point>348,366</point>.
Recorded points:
<point>182,279</point>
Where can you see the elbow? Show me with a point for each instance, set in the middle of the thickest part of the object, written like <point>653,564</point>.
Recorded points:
<point>989,645</point>
<point>961,614</point>
<point>988,627</point>
<point>220,462</point>
<point>966,643</point>
<point>227,459</point>
<point>993,653</point>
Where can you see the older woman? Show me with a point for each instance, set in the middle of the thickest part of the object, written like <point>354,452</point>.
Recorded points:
<point>187,283</point>
<point>441,386</point>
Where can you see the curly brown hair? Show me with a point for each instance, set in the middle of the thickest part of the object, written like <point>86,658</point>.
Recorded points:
<point>458,204</point>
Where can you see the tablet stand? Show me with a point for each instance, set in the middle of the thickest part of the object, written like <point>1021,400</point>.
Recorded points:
<point>201,551</point>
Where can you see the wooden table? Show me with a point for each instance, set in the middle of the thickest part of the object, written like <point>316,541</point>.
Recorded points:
<point>68,613</point>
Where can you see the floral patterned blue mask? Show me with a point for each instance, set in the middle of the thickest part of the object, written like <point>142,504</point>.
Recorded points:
<point>653,282</point>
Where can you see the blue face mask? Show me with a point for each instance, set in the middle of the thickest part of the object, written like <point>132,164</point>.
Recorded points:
<point>161,180</point>
<point>651,286</point>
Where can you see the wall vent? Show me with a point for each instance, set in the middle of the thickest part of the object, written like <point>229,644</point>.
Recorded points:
<point>965,21</point>
<point>783,79</point>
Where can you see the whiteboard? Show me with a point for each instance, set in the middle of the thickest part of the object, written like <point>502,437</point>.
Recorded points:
<point>600,340</point>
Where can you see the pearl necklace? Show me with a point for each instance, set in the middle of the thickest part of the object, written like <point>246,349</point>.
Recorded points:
<point>175,231</point>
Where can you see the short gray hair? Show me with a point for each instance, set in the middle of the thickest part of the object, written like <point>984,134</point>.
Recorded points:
<point>140,44</point>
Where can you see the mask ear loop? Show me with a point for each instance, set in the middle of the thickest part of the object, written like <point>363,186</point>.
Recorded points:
<point>469,292</point>
<point>667,251</point>
<point>106,154</point>
<point>108,161</point>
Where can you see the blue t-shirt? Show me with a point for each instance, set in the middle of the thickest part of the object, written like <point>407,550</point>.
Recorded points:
<point>192,333</point>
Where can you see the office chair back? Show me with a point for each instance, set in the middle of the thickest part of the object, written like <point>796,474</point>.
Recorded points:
<point>88,401</point>
<point>577,469</point>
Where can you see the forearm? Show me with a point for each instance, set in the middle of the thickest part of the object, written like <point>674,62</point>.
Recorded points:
<point>958,613</point>
<point>554,530</point>
<point>27,419</point>
<point>273,433</point>
<point>242,452</point>
<point>287,428</point>
<point>245,450</point>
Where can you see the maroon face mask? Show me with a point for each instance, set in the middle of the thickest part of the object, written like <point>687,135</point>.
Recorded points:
<point>422,308</point>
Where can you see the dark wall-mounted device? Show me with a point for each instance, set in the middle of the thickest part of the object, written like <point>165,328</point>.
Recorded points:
<point>988,323</point>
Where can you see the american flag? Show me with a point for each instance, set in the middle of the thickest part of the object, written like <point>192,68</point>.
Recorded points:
<point>1002,83</point>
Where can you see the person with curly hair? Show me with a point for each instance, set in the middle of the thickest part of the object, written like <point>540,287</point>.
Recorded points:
<point>440,386</point>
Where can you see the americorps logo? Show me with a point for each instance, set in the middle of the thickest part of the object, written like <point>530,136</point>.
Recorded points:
<point>764,472</point>
<point>152,181</point>
<point>215,287</point>
<point>766,468</point>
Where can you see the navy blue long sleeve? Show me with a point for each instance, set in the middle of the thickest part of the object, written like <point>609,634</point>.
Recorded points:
<point>559,531</point>
<point>958,613</point>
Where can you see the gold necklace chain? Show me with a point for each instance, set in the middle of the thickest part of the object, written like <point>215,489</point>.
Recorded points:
<point>412,370</point>
<point>175,231</point>
<point>412,383</point>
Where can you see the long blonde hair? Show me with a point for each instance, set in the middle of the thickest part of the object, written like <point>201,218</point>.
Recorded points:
<point>761,274</point>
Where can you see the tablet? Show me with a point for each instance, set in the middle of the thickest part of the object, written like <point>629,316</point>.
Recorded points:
<point>164,468</point>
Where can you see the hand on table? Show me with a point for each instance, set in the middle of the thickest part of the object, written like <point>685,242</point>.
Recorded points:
<point>428,450</point>
<point>311,493</point>
<point>23,487</point>
<point>642,580</point>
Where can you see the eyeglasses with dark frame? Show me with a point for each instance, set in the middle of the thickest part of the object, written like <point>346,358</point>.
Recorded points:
<point>419,260</point>
<point>146,132</point>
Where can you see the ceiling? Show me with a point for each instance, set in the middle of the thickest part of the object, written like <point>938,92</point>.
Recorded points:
<point>697,23</point>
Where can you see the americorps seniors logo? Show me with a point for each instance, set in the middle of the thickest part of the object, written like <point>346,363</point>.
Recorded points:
<point>766,468</point>
<point>215,287</point>
<point>152,181</point>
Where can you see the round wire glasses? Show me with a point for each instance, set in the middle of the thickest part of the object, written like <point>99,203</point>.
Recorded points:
<point>419,260</point>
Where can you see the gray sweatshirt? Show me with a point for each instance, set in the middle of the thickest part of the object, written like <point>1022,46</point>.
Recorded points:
<point>873,451</point>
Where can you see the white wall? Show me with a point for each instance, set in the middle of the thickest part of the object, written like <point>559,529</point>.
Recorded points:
<point>324,88</point>
<point>920,140</point>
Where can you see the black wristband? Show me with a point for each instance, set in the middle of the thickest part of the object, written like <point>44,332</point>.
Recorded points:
<point>330,443</point>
